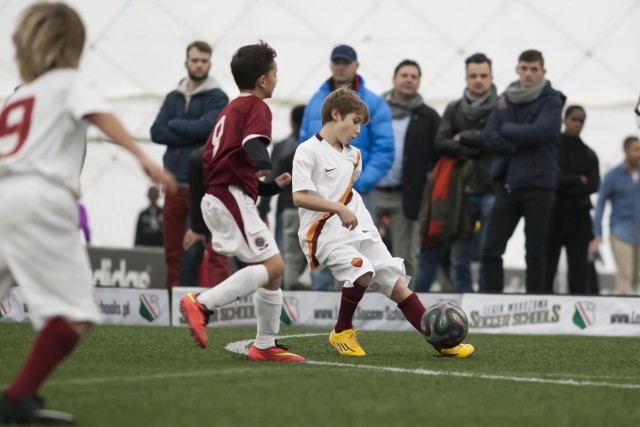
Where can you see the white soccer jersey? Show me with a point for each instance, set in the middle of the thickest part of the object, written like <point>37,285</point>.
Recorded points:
<point>327,173</point>
<point>41,127</point>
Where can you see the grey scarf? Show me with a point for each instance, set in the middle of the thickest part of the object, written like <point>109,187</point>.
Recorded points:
<point>475,108</point>
<point>402,109</point>
<point>519,95</point>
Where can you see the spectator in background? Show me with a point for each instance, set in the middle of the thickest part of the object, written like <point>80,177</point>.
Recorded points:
<point>571,225</point>
<point>461,136</point>
<point>524,132</point>
<point>149,226</point>
<point>375,140</point>
<point>183,124</point>
<point>398,193</point>
<point>621,186</point>
<point>287,220</point>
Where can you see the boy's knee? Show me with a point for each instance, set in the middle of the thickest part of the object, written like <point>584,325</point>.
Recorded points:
<point>364,280</point>
<point>275,267</point>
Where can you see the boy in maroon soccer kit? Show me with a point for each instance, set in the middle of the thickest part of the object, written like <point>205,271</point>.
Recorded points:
<point>235,157</point>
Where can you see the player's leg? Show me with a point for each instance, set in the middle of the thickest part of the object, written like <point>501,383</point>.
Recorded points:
<point>237,229</point>
<point>391,281</point>
<point>349,266</point>
<point>268,303</point>
<point>59,292</point>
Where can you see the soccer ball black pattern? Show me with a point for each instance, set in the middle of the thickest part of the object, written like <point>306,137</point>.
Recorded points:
<point>444,325</point>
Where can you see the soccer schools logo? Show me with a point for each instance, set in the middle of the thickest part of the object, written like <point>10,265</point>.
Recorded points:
<point>584,314</point>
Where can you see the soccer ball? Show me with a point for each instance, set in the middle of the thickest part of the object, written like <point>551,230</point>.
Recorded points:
<point>444,325</point>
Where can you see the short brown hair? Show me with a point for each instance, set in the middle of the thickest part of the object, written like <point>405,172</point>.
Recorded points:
<point>201,46</point>
<point>48,36</point>
<point>251,62</point>
<point>531,55</point>
<point>346,101</point>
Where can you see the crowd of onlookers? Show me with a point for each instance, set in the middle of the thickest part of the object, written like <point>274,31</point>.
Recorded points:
<point>446,191</point>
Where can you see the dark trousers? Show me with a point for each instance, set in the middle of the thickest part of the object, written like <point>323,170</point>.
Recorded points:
<point>571,228</point>
<point>534,205</point>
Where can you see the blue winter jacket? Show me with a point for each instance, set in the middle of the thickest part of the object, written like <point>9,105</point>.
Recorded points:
<point>375,140</point>
<point>525,138</point>
<point>183,128</point>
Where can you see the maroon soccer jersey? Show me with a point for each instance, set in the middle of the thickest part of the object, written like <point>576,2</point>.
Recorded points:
<point>225,160</point>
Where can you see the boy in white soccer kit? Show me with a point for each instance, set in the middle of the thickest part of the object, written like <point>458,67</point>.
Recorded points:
<point>42,148</point>
<point>337,230</point>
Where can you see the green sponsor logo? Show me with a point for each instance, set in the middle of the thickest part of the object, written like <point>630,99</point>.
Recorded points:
<point>289,313</point>
<point>149,307</point>
<point>584,314</point>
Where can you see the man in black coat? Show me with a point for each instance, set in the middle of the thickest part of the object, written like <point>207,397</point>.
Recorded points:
<point>524,132</point>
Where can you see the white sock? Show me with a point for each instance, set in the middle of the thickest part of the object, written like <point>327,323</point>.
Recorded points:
<point>268,307</point>
<point>240,284</point>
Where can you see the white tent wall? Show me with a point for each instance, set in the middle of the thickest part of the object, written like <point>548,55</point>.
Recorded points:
<point>135,50</point>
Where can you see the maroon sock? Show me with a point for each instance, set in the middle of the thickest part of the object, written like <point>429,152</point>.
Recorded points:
<point>350,299</point>
<point>413,310</point>
<point>56,340</point>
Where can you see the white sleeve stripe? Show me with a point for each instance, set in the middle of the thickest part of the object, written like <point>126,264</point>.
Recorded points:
<point>255,136</point>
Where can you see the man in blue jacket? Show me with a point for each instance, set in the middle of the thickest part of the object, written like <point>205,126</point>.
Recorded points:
<point>524,132</point>
<point>183,124</point>
<point>375,141</point>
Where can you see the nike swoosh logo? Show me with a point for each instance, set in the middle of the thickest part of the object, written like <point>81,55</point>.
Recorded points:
<point>329,170</point>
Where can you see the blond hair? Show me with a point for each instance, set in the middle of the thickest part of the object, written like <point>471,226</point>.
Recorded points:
<point>346,101</point>
<point>49,35</point>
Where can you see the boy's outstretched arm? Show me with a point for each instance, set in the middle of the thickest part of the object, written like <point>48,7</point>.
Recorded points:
<point>304,199</point>
<point>111,126</point>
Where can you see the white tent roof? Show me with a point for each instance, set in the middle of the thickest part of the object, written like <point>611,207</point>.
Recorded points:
<point>136,51</point>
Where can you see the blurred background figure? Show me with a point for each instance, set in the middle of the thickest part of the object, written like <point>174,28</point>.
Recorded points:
<point>621,187</point>
<point>571,225</point>
<point>149,225</point>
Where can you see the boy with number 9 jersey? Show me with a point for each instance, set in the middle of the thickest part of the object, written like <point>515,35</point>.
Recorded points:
<point>42,148</point>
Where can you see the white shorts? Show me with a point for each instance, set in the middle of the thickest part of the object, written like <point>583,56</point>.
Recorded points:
<point>236,228</point>
<point>40,249</point>
<point>350,261</point>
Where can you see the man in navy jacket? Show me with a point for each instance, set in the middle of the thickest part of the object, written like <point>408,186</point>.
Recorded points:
<point>524,132</point>
<point>183,124</point>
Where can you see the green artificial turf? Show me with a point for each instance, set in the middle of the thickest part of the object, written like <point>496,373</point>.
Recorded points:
<point>146,376</point>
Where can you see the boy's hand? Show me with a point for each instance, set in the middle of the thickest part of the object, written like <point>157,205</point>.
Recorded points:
<point>283,180</point>
<point>159,175</point>
<point>263,172</point>
<point>348,218</point>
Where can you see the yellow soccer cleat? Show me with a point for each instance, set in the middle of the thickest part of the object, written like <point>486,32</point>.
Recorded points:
<point>346,343</point>
<point>461,351</point>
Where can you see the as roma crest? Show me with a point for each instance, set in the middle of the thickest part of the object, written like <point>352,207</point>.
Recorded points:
<point>356,262</point>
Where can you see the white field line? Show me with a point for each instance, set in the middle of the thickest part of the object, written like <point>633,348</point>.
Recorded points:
<point>240,347</point>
